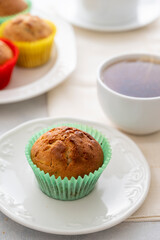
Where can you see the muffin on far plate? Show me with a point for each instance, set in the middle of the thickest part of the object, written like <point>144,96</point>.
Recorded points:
<point>5,53</point>
<point>10,8</point>
<point>8,59</point>
<point>33,36</point>
<point>67,160</point>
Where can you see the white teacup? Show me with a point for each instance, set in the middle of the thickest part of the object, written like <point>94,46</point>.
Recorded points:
<point>111,12</point>
<point>131,114</point>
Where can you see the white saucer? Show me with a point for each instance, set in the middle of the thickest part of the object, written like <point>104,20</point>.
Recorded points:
<point>28,83</point>
<point>120,191</point>
<point>148,11</point>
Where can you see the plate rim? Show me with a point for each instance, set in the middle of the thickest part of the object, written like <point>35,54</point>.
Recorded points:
<point>87,230</point>
<point>106,28</point>
<point>29,93</point>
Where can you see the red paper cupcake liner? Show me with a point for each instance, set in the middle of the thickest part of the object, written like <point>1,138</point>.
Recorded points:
<point>7,68</point>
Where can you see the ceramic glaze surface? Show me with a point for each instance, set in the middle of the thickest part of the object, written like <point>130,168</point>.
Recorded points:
<point>132,114</point>
<point>147,12</point>
<point>119,192</point>
<point>111,12</point>
<point>28,83</point>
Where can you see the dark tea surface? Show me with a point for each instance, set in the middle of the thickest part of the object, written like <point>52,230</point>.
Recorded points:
<point>135,78</point>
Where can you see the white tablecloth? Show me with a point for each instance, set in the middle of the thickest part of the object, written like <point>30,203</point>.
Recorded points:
<point>77,96</point>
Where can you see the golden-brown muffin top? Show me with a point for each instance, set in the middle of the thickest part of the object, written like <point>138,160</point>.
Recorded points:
<point>11,7</point>
<point>67,152</point>
<point>5,53</point>
<point>27,28</point>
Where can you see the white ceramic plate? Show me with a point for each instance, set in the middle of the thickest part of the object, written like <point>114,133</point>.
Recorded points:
<point>120,191</point>
<point>148,11</point>
<point>28,83</point>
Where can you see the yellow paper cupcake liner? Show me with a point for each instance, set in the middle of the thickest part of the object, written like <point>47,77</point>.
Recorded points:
<point>34,54</point>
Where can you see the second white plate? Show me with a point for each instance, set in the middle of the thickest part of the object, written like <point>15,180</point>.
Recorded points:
<point>148,11</point>
<point>27,83</point>
<point>120,191</point>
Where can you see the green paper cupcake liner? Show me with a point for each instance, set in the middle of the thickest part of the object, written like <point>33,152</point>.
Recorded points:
<point>65,189</point>
<point>27,10</point>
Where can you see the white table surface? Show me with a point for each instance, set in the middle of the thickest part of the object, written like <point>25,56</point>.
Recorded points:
<point>12,115</point>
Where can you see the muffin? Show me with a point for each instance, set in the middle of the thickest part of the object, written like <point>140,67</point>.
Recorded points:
<point>5,53</point>
<point>27,28</point>
<point>67,160</point>
<point>9,8</point>
<point>8,59</point>
<point>33,36</point>
<point>67,152</point>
